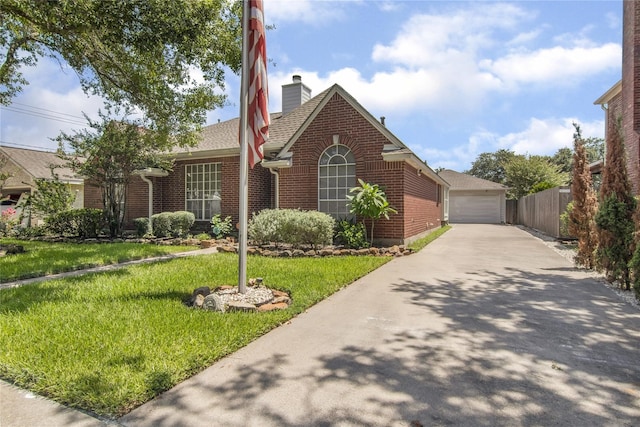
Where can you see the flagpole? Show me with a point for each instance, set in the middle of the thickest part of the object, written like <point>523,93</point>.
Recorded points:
<point>244,154</point>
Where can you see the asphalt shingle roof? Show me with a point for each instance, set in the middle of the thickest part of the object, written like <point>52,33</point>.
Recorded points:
<point>462,181</point>
<point>37,163</point>
<point>224,135</point>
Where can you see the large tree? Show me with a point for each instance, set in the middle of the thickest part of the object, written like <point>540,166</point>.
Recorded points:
<point>615,214</point>
<point>523,173</point>
<point>585,204</point>
<point>491,166</point>
<point>107,156</point>
<point>149,54</point>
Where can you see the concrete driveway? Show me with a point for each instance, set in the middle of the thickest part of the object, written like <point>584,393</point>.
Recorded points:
<point>486,326</point>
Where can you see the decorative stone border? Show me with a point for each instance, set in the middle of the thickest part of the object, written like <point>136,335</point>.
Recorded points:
<point>223,299</point>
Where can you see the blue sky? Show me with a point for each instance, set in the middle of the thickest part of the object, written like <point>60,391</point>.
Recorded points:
<point>453,78</point>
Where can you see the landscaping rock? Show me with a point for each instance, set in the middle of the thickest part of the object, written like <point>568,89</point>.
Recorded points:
<point>241,306</point>
<point>283,299</point>
<point>198,301</point>
<point>213,302</point>
<point>273,306</point>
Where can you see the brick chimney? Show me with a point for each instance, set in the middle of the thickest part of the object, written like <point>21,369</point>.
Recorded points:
<point>294,95</point>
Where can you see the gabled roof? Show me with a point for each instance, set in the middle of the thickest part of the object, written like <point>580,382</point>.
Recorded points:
<point>462,181</point>
<point>221,139</point>
<point>38,164</point>
<point>609,95</point>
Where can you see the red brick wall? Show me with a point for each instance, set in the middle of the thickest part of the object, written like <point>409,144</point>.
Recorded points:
<point>422,205</point>
<point>92,196</point>
<point>417,211</point>
<point>631,89</point>
<point>170,190</point>
<point>137,203</point>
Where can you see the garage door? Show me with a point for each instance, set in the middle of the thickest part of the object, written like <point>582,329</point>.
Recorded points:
<point>475,209</point>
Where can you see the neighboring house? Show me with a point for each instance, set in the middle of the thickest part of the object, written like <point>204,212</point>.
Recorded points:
<point>474,200</point>
<point>317,149</point>
<point>25,166</point>
<point>622,101</point>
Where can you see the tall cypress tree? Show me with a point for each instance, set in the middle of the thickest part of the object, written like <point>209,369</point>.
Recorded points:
<point>614,219</point>
<point>585,205</point>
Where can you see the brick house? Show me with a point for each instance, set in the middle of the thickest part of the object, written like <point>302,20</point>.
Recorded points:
<point>317,149</point>
<point>622,101</point>
<point>26,166</point>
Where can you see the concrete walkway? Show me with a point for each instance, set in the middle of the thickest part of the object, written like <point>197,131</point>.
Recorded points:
<point>486,326</point>
<point>108,267</point>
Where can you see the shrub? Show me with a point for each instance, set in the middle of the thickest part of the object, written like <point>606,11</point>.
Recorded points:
<point>351,234</point>
<point>291,226</point>
<point>161,224</point>
<point>265,226</point>
<point>221,228</point>
<point>88,221</point>
<point>181,223</point>
<point>32,231</point>
<point>369,201</point>
<point>202,236</point>
<point>564,220</point>
<point>76,222</point>
<point>8,222</point>
<point>313,228</point>
<point>142,226</point>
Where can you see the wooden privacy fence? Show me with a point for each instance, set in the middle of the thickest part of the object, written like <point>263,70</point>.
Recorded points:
<point>542,210</point>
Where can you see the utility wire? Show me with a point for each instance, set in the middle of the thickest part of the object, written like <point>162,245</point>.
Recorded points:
<point>45,115</point>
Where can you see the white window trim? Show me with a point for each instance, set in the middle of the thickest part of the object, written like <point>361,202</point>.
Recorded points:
<point>218,190</point>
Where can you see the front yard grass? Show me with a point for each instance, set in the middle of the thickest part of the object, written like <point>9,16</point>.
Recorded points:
<point>44,258</point>
<point>108,342</point>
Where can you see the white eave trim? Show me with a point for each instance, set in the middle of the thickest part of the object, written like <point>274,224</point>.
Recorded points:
<point>207,154</point>
<point>413,160</point>
<point>153,172</point>
<point>609,95</point>
<point>276,164</point>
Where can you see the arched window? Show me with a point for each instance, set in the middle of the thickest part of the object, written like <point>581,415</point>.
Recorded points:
<point>336,175</point>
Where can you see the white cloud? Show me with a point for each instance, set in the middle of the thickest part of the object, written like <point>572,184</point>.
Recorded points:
<point>541,137</point>
<point>545,137</point>
<point>554,66</point>
<point>310,12</point>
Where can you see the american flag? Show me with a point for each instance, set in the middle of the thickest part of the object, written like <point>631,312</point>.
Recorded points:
<point>257,110</point>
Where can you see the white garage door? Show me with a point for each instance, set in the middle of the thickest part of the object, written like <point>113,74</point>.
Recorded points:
<point>474,209</point>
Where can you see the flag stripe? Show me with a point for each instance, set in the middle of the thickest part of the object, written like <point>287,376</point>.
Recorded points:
<point>257,110</point>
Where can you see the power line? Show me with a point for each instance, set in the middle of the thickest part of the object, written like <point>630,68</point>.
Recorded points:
<point>7,143</point>
<point>47,110</point>
<point>44,115</point>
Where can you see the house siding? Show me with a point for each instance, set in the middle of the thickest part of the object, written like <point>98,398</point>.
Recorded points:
<point>422,206</point>
<point>137,202</point>
<point>414,197</point>
<point>631,90</point>
<point>338,117</point>
<point>171,189</point>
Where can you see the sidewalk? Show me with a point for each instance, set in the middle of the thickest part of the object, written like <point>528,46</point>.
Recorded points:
<point>109,267</point>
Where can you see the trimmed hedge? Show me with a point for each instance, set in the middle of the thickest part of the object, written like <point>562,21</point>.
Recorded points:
<point>172,224</point>
<point>142,226</point>
<point>291,226</point>
<point>82,223</point>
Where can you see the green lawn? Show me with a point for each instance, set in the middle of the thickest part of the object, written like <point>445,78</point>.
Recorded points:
<point>421,243</point>
<point>108,342</point>
<point>43,258</point>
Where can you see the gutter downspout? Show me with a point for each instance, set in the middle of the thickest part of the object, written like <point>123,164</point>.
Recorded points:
<point>605,108</point>
<point>276,191</point>
<point>150,183</point>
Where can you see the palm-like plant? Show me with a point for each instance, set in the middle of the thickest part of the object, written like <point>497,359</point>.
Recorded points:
<point>369,201</point>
